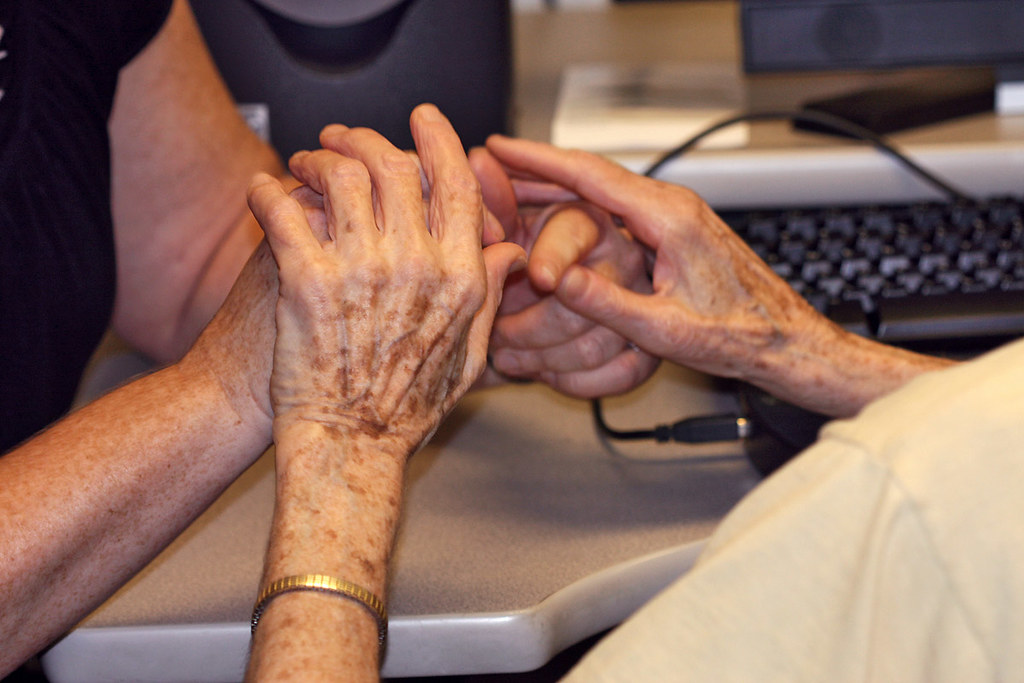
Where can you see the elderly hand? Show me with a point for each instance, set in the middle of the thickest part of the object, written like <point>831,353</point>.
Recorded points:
<point>715,306</point>
<point>384,308</point>
<point>535,335</point>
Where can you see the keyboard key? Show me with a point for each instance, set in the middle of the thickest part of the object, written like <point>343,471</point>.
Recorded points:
<point>801,227</point>
<point>763,230</point>
<point>853,268</point>
<point>989,277</point>
<point>889,266</point>
<point>1007,260</point>
<point>970,260</point>
<point>910,282</point>
<point>832,286</point>
<point>933,263</point>
<point>813,270</point>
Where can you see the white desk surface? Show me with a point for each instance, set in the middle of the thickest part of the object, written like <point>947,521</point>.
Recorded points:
<point>524,532</point>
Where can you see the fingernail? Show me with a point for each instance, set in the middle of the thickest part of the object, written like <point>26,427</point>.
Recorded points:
<point>573,282</point>
<point>518,265</point>
<point>546,278</point>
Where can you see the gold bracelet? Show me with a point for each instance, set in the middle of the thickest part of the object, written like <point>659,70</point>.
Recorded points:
<point>325,584</point>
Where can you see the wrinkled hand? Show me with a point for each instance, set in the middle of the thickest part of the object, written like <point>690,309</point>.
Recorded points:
<point>715,305</point>
<point>384,308</point>
<point>535,335</point>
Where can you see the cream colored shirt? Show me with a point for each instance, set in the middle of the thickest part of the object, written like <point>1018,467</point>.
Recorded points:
<point>892,550</point>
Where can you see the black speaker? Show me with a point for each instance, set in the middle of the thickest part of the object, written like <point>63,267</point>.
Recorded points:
<point>298,65</point>
<point>793,35</point>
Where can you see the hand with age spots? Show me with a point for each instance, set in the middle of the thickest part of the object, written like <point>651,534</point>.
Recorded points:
<point>382,319</point>
<point>714,305</point>
<point>536,336</point>
<point>385,305</point>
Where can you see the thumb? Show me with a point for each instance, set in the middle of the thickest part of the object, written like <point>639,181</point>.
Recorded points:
<point>637,317</point>
<point>500,260</point>
<point>568,233</point>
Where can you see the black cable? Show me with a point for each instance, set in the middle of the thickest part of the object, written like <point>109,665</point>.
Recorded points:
<point>703,429</point>
<point>828,121</point>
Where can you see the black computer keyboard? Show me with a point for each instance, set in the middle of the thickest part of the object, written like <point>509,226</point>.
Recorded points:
<point>928,275</point>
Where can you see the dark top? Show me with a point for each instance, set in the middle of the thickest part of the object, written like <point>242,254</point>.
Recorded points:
<point>59,61</point>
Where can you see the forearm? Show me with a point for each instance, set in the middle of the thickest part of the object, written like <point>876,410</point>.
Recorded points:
<point>834,372</point>
<point>87,503</point>
<point>182,159</point>
<point>338,506</point>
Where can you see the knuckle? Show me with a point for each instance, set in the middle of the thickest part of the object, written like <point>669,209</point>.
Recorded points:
<point>397,164</point>
<point>465,184</point>
<point>377,274</point>
<point>457,292</point>
<point>277,208</point>
<point>461,190</point>
<point>590,349</point>
<point>578,156</point>
<point>344,173</point>
<point>416,272</point>
<point>471,291</point>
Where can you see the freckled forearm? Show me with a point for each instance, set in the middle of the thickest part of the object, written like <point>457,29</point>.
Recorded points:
<point>88,502</point>
<point>838,373</point>
<point>338,507</point>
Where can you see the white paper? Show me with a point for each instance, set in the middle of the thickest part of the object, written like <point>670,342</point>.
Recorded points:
<point>614,108</point>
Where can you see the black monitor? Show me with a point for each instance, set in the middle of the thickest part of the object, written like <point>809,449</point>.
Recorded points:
<point>847,35</point>
<point>297,65</point>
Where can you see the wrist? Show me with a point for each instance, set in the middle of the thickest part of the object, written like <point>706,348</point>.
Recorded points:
<point>829,370</point>
<point>338,503</point>
<point>231,394</point>
<point>235,350</point>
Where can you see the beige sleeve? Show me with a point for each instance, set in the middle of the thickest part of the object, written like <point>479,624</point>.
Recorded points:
<point>889,551</point>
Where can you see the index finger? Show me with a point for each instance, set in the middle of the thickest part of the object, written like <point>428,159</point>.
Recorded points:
<point>591,177</point>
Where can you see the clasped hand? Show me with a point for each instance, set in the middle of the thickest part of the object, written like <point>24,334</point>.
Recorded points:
<point>713,304</point>
<point>386,299</point>
<point>536,336</point>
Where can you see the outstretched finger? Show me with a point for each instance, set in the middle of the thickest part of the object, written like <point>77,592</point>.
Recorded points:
<point>546,323</point>
<point>591,177</point>
<point>586,351</point>
<point>539,193</point>
<point>626,371</point>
